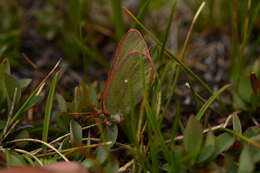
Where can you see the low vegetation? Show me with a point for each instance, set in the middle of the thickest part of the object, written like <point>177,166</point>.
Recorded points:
<point>181,94</point>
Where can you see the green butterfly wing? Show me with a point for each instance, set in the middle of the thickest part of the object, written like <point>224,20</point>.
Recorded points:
<point>132,41</point>
<point>125,87</point>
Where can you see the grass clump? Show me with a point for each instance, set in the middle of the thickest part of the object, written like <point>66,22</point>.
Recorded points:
<point>158,111</point>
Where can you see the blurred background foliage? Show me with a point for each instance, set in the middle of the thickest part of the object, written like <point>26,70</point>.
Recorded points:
<point>223,49</point>
<point>85,33</point>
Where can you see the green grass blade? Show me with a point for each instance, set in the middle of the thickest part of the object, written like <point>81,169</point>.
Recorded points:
<point>195,18</point>
<point>48,109</point>
<point>175,127</point>
<point>10,112</point>
<point>170,54</point>
<point>143,6</point>
<point>182,53</point>
<point>158,136</point>
<point>137,21</point>
<point>195,96</point>
<point>178,59</point>
<point>75,12</point>
<point>34,94</point>
<point>24,106</point>
<point>167,31</point>
<point>210,101</point>
<point>91,55</point>
<point>117,16</point>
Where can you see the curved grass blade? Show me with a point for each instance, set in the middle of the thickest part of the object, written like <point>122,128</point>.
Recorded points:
<point>48,109</point>
<point>118,19</point>
<point>210,101</point>
<point>170,53</point>
<point>125,87</point>
<point>241,136</point>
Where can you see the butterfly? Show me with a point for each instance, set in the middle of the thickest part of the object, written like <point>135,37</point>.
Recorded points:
<point>132,69</point>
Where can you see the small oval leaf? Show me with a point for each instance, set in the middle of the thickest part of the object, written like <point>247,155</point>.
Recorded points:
<point>246,164</point>
<point>62,103</point>
<point>236,124</point>
<point>223,143</point>
<point>209,148</point>
<point>111,133</point>
<point>75,133</point>
<point>102,154</point>
<point>24,83</point>
<point>13,159</point>
<point>21,135</point>
<point>12,84</point>
<point>193,136</point>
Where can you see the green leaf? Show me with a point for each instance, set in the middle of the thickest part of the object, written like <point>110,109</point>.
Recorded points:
<point>5,67</point>
<point>65,144</point>
<point>239,102</point>
<point>49,160</point>
<point>92,95</point>
<point>241,136</point>
<point>2,124</point>
<point>21,135</point>
<point>246,164</point>
<point>255,151</point>
<point>62,103</point>
<point>252,131</point>
<point>30,102</point>
<point>236,124</point>
<point>211,139</point>
<point>88,163</point>
<point>75,133</point>
<point>48,109</point>
<point>32,99</point>
<point>10,85</point>
<point>3,50</point>
<point>244,88</point>
<point>24,82</point>
<point>223,143</point>
<point>30,161</point>
<point>209,148</point>
<point>75,104</point>
<point>192,136</point>
<point>63,121</point>
<point>83,96</point>
<point>206,153</point>
<point>13,159</point>
<point>111,133</point>
<point>112,167</point>
<point>102,154</point>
